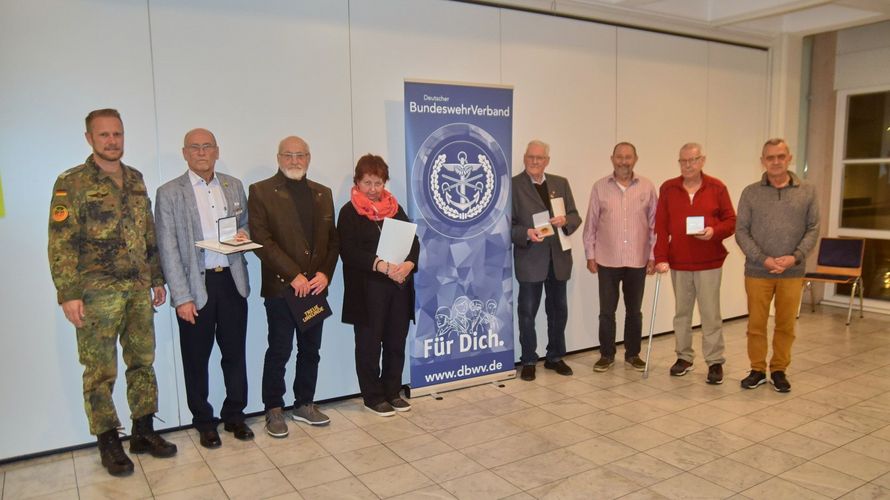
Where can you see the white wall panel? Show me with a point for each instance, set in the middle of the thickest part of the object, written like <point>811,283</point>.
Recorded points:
<point>863,38</point>
<point>662,97</point>
<point>411,39</point>
<point>59,59</point>
<point>564,77</point>
<point>254,73</point>
<point>867,68</point>
<point>736,118</point>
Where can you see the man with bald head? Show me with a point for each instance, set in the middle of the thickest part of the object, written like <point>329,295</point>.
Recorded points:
<point>693,217</point>
<point>293,218</point>
<point>208,289</point>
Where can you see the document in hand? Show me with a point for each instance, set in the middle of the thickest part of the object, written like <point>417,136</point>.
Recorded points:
<point>396,239</point>
<point>307,311</point>
<point>559,209</point>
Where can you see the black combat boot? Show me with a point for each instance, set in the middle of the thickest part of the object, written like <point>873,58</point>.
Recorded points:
<point>145,439</point>
<point>113,457</point>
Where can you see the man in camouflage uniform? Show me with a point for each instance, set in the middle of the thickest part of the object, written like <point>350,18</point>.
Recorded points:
<point>103,258</point>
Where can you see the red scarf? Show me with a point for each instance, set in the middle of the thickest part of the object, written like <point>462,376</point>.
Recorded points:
<point>386,206</point>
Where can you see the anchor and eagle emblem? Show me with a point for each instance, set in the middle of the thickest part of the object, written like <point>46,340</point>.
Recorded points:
<point>462,190</point>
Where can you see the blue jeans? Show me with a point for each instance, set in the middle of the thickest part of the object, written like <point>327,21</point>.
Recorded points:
<point>281,342</point>
<point>556,307</point>
<point>632,281</point>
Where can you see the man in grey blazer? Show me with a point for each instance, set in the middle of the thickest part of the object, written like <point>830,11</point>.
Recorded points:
<point>540,261</point>
<point>208,289</point>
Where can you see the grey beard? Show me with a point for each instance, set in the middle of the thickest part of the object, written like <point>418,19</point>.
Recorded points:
<point>297,175</point>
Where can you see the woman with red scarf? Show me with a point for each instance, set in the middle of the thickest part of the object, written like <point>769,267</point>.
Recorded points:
<point>379,296</point>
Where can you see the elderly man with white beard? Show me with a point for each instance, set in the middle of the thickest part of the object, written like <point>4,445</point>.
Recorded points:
<point>293,218</point>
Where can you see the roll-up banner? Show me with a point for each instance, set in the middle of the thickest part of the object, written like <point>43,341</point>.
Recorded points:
<point>458,143</point>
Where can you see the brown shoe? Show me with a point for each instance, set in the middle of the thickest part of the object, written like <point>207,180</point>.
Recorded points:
<point>209,438</point>
<point>240,430</point>
<point>115,461</point>
<point>559,367</point>
<point>527,373</point>
<point>603,364</point>
<point>276,426</point>
<point>146,440</point>
<point>680,368</point>
<point>635,363</point>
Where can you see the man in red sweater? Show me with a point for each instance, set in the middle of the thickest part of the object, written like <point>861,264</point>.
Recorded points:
<point>693,218</point>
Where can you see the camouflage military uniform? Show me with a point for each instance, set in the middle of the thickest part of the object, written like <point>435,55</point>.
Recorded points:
<point>102,250</point>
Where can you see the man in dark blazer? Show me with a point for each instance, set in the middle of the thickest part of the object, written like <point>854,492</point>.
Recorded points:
<point>208,289</point>
<point>542,258</point>
<point>293,218</point>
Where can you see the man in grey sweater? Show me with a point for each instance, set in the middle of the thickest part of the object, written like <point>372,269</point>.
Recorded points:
<point>777,226</point>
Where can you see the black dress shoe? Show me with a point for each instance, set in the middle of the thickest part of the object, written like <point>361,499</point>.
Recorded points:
<point>210,438</point>
<point>240,430</point>
<point>559,366</point>
<point>527,373</point>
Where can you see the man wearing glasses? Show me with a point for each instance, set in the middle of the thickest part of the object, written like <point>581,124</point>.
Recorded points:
<point>694,216</point>
<point>293,218</point>
<point>208,289</point>
<point>618,240</point>
<point>543,260</point>
<point>777,226</point>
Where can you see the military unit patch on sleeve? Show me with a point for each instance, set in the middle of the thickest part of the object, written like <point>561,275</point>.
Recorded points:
<point>60,213</point>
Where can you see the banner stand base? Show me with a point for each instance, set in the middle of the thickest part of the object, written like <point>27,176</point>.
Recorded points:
<point>436,390</point>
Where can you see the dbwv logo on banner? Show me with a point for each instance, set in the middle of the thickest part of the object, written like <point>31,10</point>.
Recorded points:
<point>463,173</point>
<point>462,190</point>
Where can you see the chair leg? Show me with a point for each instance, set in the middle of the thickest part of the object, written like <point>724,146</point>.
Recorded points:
<point>800,304</point>
<point>850,308</point>
<point>812,296</point>
<point>861,293</point>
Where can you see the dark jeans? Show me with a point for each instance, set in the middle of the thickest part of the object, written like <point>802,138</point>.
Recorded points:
<point>386,327</point>
<point>556,307</point>
<point>633,282</point>
<point>281,341</point>
<point>223,318</point>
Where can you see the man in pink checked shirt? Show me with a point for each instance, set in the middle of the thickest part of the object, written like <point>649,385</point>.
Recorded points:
<point>619,237</point>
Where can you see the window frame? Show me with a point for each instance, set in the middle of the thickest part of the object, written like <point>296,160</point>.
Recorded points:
<point>834,228</point>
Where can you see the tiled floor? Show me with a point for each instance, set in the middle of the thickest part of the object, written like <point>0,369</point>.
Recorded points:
<point>610,435</point>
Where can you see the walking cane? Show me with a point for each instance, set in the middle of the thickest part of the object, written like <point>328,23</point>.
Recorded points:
<point>652,324</point>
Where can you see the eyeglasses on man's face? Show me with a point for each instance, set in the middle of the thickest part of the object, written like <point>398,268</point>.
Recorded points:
<point>201,148</point>
<point>689,161</point>
<point>294,156</point>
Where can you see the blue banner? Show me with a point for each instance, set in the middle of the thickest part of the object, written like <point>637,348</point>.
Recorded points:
<point>458,143</point>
